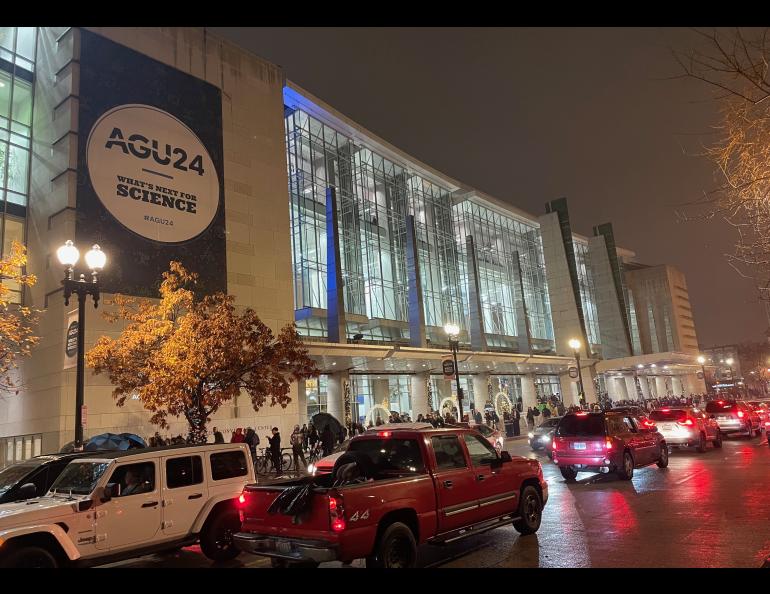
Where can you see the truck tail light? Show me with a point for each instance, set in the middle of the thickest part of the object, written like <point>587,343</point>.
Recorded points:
<point>608,444</point>
<point>336,514</point>
<point>241,504</point>
<point>384,434</point>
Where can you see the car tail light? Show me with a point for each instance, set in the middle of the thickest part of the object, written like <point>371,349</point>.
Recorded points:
<point>665,409</point>
<point>649,424</point>
<point>608,444</point>
<point>336,515</point>
<point>688,422</point>
<point>581,414</point>
<point>767,423</point>
<point>740,414</point>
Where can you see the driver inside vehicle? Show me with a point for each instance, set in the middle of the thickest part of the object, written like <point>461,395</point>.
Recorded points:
<point>131,485</point>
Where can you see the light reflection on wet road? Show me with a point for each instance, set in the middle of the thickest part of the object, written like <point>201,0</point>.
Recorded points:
<point>704,510</point>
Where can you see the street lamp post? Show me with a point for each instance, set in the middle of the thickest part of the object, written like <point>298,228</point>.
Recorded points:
<point>68,255</point>
<point>702,361</point>
<point>453,332</point>
<point>574,344</point>
<point>732,376</point>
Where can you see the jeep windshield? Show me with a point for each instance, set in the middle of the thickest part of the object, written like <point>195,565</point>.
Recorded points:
<point>79,478</point>
<point>11,475</point>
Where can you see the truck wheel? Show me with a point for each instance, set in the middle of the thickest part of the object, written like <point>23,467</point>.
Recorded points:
<point>395,549</point>
<point>29,558</point>
<point>568,473</point>
<point>217,536</point>
<point>530,511</point>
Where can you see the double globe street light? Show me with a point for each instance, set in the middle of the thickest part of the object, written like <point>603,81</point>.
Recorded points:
<point>575,345</point>
<point>453,332</point>
<point>69,255</point>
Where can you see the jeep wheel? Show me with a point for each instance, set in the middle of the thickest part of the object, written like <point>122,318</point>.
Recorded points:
<point>530,511</point>
<point>29,558</point>
<point>217,536</point>
<point>395,549</point>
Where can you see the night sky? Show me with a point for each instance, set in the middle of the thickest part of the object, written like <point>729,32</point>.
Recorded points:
<point>529,115</point>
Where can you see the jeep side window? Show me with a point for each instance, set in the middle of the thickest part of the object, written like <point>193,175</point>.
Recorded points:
<point>225,465</point>
<point>183,472</point>
<point>134,479</point>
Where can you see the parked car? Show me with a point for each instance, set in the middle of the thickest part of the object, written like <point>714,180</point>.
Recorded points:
<point>326,464</point>
<point>607,442</point>
<point>492,435</point>
<point>108,506</point>
<point>33,477</point>
<point>687,426</point>
<point>540,438</point>
<point>395,488</point>
<point>763,410</point>
<point>734,416</point>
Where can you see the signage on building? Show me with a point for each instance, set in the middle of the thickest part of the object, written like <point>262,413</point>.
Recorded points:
<point>150,169</point>
<point>359,399</point>
<point>71,341</point>
<point>448,367</point>
<point>573,372</point>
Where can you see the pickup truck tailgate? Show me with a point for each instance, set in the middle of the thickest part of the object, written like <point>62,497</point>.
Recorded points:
<point>255,517</point>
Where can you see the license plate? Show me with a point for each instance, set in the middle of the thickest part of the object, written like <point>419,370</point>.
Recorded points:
<point>666,426</point>
<point>283,547</point>
<point>578,445</point>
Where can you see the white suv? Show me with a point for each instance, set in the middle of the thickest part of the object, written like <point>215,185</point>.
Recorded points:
<point>117,505</point>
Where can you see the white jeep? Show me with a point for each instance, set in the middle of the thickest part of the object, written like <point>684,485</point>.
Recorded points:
<point>118,505</point>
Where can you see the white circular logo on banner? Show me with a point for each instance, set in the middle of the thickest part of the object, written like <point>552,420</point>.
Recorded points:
<point>152,173</point>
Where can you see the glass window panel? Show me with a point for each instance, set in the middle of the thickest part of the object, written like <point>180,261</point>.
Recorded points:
<point>6,37</point>
<point>9,451</point>
<point>18,163</point>
<point>19,451</point>
<point>38,447</point>
<point>16,198</point>
<point>22,102</point>
<point>25,42</point>
<point>6,55</point>
<point>5,95</point>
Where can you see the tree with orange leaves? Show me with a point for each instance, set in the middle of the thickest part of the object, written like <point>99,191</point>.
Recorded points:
<point>186,356</point>
<point>17,322</point>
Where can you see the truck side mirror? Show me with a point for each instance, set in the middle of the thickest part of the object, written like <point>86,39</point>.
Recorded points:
<point>27,491</point>
<point>505,456</point>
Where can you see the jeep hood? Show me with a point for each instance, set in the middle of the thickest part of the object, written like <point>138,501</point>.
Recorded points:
<point>37,510</point>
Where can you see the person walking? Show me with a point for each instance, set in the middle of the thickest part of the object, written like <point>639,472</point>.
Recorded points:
<point>312,437</point>
<point>530,418</point>
<point>516,418</point>
<point>238,436</point>
<point>535,414</point>
<point>252,441</point>
<point>305,432</point>
<point>218,437</point>
<point>327,440</point>
<point>275,450</point>
<point>296,447</point>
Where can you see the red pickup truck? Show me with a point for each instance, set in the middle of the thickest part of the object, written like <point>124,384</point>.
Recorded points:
<point>391,491</point>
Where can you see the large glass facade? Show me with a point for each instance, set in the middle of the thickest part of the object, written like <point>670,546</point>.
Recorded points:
<point>17,65</point>
<point>587,292</point>
<point>503,244</point>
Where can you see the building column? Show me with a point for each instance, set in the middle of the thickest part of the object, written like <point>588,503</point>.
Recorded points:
<point>676,385</point>
<point>419,388</point>
<point>633,393</point>
<point>616,388</point>
<point>335,405</point>
<point>569,390</point>
<point>480,391</point>
<point>528,392</point>
<point>301,402</point>
<point>660,386</point>
<point>644,386</point>
<point>589,373</point>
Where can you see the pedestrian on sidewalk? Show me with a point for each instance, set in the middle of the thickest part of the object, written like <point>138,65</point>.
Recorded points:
<point>516,422</point>
<point>536,415</point>
<point>218,437</point>
<point>296,447</point>
<point>530,418</point>
<point>275,450</point>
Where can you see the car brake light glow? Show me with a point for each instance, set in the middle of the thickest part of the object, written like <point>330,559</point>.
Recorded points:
<point>608,445</point>
<point>581,414</point>
<point>688,422</point>
<point>665,409</point>
<point>242,499</point>
<point>740,414</point>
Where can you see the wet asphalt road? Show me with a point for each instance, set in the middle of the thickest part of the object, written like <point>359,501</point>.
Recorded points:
<point>704,510</point>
